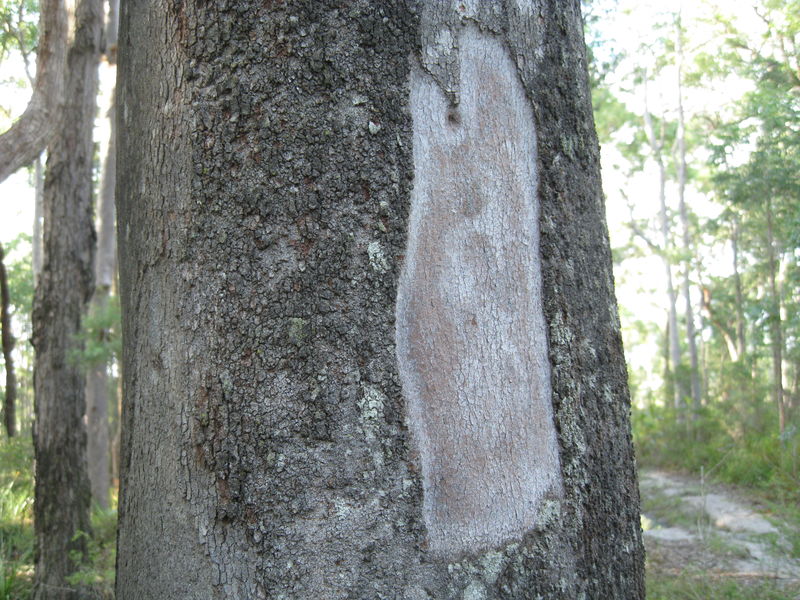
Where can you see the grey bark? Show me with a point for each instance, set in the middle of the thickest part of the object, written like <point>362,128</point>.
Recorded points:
<point>30,134</point>
<point>267,174</point>
<point>62,494</point>
<point>99,392</point>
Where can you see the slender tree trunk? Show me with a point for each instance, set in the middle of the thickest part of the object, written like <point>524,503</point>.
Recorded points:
<point>656,147</point>
<point>776,328</point>
<point>62,487</point>
<point>99,392</point>
<point>688,250</point>
<point>371,345</point>
<point>10,398</point>
<point>741,339</point>
<point>38,215</point>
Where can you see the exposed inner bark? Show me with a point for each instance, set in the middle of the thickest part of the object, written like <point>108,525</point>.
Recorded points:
<point>471,337</point>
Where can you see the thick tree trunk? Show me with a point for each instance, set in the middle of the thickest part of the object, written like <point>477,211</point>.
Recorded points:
<point>10,398</point>
<point>64,287</point>
<point>371,344</point>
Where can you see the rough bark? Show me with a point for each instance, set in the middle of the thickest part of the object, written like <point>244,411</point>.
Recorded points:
<point>30,134</point>
<point>270,194</point>
<point>10,398</point>
<point>62,494</point>
<point>99,393</point>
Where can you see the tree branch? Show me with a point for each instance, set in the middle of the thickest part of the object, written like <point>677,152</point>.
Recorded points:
<point>30,134</point>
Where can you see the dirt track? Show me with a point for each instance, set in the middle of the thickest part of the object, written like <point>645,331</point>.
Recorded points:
<point>690,525</point>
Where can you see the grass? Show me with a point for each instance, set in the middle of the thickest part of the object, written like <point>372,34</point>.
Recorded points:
<point>16,518</point>
<point>704,586</point>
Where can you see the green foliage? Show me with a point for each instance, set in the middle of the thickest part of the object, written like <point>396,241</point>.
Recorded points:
<point>96,574</point>
<point>16,518</point>
<point>97,568</point>
<point>724,443</point>
<point>18,26</point>
<point>19,270</point>
<point>100,341</point>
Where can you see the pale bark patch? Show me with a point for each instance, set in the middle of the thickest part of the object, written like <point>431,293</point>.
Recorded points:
<point>471,339</point>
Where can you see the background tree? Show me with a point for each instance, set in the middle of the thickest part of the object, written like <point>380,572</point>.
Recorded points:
<point>10,397</point>
<point>275,170</point>
<point>62,494</point>
<point>103,314</point>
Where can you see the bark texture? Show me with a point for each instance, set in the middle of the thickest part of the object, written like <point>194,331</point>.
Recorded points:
<point>62,494</point>
<point>268,172</point>
<point>10,397</point>
<point>30,134</point>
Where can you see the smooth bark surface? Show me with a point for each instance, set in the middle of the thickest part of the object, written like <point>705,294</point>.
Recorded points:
<point>269,178</point>
<point>30,134</point>
<point>62,495</point>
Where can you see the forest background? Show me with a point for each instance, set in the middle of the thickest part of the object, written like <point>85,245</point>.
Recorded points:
<point>698,113</point>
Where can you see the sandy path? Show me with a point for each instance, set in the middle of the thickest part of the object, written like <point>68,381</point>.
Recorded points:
<point>689,525</point>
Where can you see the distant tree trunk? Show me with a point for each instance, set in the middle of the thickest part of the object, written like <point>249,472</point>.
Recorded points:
<point>776,328</point>
<point>98,386</point>
<point>741,340</point>
<point>688,250</point>
<point>10,398</point>
<point>371,347</point>
<point>65,285</point>
<point>673,368</point>
<point>25,140</point>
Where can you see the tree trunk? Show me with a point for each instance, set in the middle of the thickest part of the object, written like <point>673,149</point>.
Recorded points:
<point>29,135</point>
<point>371,345</point>
<point>99,392</point>
<point>673,368</point>
<point>688,251</point>
<point>776,328</point>
<point>62,494</point>
<point>10,398</point>
<point>741,340</point>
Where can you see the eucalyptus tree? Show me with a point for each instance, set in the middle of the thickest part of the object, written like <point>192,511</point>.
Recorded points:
<point>371,347</point>
<point>62,493</point>
<point>763,191</point>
